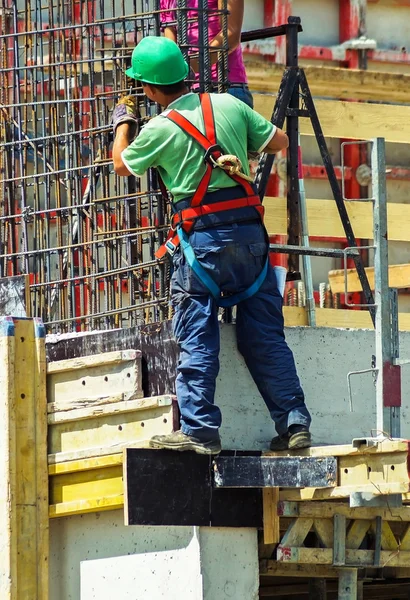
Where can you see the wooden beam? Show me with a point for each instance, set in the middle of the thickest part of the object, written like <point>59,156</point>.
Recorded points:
<point>354,558</point>
<point>24,547</point>
<point>399,277</point>
<point>334,82</point>
<point>324,219</point>
<point>95,360</point>
<point>353,120</point>
<point>340,318</point>
<point>274,568</point>
<point>326,510</point>
<point>270,498</point>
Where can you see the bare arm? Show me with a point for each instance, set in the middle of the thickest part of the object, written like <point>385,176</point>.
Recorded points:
<point>121,142</point>
<point>171,33</point>
<point>279,142</point>
<point>235,20</point>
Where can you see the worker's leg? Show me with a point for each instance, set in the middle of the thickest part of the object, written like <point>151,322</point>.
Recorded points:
<point>196,331</point>
<point>261,340</point>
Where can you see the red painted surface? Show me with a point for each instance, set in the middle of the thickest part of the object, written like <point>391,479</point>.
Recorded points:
<point>322,53</point>
<point>392,385</point>
<point>269,13</point>
<point>283,10</point>
<point>284,554</point>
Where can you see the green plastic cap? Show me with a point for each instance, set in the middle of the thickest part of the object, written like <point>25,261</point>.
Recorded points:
<point>157,60</point>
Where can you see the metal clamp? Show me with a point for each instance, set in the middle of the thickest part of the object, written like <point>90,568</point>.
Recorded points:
<point>347,251</point>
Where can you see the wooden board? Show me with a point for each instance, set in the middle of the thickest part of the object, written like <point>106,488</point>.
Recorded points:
<point>109,427</point>
<point>334,82</point>
<point>174,488</point>
<point>353,120</point>
<point>399,277</point>
<point>324,219</point>
<point>342,318</point>
<point>15,296</point>
<point>158,349</point>
<point>95,376</point>
<point>24,546</point>
<point>244,471</point>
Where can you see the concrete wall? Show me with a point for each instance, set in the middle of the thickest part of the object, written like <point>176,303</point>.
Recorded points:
<point>95,557</point>
<point>324,357</point>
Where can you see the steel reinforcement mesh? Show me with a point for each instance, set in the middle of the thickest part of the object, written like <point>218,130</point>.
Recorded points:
<point>85,236</point>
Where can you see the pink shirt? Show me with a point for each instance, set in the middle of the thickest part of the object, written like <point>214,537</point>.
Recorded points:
<point>236,68</point>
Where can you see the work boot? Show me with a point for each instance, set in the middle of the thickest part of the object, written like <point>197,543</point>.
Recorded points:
<point>295,438</point>
<point>181,441</point>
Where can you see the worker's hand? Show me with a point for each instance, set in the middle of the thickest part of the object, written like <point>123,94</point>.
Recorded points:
<point>126,111</point>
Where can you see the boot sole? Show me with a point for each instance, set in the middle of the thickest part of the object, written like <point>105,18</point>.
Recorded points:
<point>189,446</point>
<point>300,440</point>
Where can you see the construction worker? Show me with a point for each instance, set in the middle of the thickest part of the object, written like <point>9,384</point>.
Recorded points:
<point>238,86</point>
<point>218,244</point>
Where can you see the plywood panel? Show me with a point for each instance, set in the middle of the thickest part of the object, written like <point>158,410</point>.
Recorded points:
<point>353,120</point>
<point>324,219</point>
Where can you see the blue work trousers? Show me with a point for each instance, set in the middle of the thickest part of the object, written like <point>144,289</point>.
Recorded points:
<point>234,255</point>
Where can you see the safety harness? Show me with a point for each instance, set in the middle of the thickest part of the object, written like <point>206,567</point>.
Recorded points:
<point>183,221</point>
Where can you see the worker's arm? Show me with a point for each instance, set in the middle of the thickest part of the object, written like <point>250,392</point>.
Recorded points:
<point>171,33</point>
<point>121,142</point>
<point>235,20</point>
<point>280,141</point>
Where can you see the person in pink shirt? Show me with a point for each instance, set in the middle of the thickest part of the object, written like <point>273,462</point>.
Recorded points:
<point>238,83</point>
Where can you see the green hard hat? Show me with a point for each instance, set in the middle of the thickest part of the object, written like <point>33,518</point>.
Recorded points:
<point>157,60</point>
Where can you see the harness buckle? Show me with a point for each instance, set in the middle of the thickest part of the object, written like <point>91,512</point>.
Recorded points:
<point>171,247</point>
<point>208,158</point>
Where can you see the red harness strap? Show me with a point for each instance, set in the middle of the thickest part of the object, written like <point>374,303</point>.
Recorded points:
<point>186,217</point>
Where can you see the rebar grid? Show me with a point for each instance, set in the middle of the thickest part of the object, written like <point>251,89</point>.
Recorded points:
<point>86,236</point>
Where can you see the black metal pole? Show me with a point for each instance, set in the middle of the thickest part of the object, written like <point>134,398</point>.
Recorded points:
<point>292,131</point>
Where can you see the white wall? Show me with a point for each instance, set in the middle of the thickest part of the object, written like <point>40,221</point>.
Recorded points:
<point>95,557</point>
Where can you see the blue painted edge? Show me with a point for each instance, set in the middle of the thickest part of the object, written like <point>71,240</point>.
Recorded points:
<point>7,327</point>
<point>39,329</point>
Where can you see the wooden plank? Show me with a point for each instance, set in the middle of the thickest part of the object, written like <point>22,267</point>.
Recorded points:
<point>86,464</point>
<point>324,531</point>
<point>274,471</point>
<point>353,120</point>
<point>270,516</point>
<point>399,277</point>
<point>95,376</point>
<point>131,405</point>
<point>354,558</point>
<point>296,532</point>
<point>382,489</point>
<point>23,473</point>
<point>340,318</point>
<point>97,360</point>
<point>109,430</point>
<point>8,514</point>
<point>81,507</point>
<point>326,510</point>
<point>97,452</point>
<point>382,447</point>
<point>333,82</point>
<point>405,540</point>
<point>274,568</point>
<point>324,219</point>
<point>356,533</point>
<point>388,540</point>
<point>15,296</point>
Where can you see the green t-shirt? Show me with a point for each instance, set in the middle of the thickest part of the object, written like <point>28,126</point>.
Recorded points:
<point>180,160</point>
